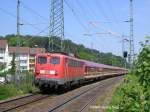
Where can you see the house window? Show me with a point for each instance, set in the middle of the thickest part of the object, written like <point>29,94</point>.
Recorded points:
<point>23,67</point>
<point>2,51</point>
<point>23,61</point>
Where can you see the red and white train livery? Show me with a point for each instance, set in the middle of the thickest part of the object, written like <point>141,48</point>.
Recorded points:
<point>56,69</point>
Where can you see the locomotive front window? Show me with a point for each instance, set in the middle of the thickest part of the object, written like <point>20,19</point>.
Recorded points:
<point>55,60</point>
<point>42,60</point>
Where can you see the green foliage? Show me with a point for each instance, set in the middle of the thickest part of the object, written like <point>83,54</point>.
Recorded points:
<point>143,66</point>
<point>10,90</point>
<point>13,65</point>
<point>129,97</point>
<point>2,66</point>
<point>20,87</point>
<point>69,47</point>
<point>7,91</point>
<point>134,94</point>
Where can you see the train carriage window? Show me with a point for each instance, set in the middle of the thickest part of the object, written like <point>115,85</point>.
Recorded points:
<point>55,60</point>
<point>74,63</point>
<point>42,60</point>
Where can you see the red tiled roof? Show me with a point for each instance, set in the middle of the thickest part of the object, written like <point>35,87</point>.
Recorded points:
<point>34,51</point>
<point>26,50</point>
<point>23,50</point>
<point>3,43</point>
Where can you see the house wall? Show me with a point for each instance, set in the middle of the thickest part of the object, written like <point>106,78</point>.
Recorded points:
<point>4,55</point>
<point>27,60</point>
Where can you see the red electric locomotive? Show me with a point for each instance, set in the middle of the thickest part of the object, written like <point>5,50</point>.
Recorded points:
<point>53,70</point>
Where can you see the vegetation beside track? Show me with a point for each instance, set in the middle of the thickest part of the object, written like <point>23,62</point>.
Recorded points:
<point>18,87</point>
<point>134,94</point>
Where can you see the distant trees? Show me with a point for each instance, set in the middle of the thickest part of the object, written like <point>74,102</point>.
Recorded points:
<point>69,47</point>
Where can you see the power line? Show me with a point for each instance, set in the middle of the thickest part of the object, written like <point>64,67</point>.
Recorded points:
<point>38,33</point>
<point>14,16</point>
<point>8,13</point>
<point>99,6</point>
<point>91,10</point>
<point>75,15</point>
<point>111,10</point>
<point>33,11</point>
<point>82,11</point>
<point>112,13</point>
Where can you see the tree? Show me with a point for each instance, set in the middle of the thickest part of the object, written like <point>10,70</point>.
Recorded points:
<point>2,66</point>
<point>13,65</point>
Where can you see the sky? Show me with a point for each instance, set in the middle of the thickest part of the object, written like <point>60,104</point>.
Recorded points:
<point>87,22</point>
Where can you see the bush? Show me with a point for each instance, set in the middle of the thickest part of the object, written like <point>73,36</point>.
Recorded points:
<point>18,87</point>
<point>134,94</point>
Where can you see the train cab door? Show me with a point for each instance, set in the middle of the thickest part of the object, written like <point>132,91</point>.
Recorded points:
<point>67,75</point>
<point>66,70</point>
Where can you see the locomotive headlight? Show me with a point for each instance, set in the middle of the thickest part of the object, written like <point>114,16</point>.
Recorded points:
<point>53,72</point>
<point>42,71</point>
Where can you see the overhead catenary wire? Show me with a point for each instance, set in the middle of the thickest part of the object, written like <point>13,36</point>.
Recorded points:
<point>75,15</point>
<point>23,21</point>
<point>37,34</point>
<point>99,6</point>
<point>33,11</point>
<point>14,16</point>
<point>83,9</point>
<point>112,13</point>
<point>112,10</point>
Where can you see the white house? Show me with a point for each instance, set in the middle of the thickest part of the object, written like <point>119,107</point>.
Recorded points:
<point>21,57</point>
<point>4,52</point>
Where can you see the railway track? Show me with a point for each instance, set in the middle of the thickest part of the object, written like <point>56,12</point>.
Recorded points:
<point>80,102</point>
<point>71,101</point>
<point>20,102</point>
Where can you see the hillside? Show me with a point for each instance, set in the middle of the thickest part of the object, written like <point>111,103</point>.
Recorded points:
<point>70,47</point>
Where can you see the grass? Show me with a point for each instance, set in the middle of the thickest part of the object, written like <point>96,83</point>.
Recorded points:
<point>18,88</point>
<point>128,96</point>
<point>10,90</point>
<point>7,91</point>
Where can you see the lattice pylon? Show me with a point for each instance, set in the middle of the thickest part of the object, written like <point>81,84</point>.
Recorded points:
<point>56,23</point>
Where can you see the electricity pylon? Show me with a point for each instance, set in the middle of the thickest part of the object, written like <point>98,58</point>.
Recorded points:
<point>56,23</point>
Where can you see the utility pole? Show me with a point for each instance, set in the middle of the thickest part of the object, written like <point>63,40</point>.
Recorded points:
<point>56,23</point>
<point>18,35</point>
<point>18,18</point>
<point>131,40</point>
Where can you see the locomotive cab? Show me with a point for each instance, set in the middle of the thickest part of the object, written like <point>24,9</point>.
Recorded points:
<point>49,70</point>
